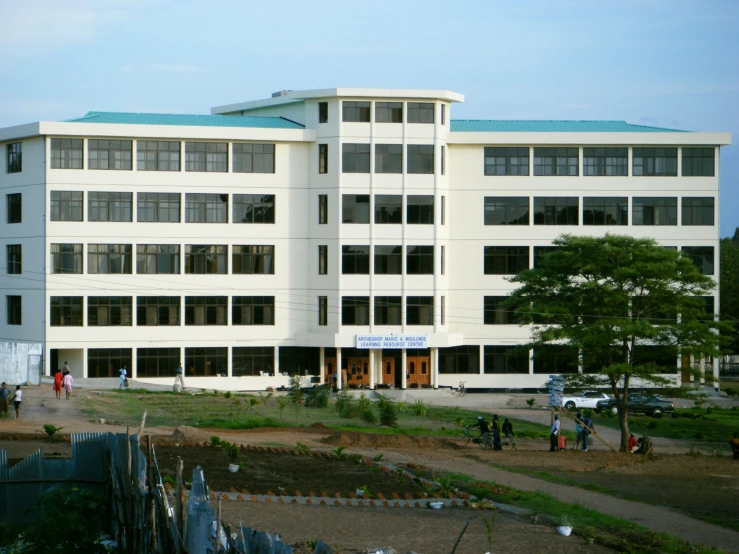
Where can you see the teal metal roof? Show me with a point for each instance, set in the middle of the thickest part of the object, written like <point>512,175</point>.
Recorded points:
<point>187,119</point>
<point>543,126</point>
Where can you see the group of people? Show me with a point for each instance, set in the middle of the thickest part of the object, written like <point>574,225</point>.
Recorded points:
<point>584,427</point>
<point>63,380</point>
<point>7,396</point>
<point>492,432</point>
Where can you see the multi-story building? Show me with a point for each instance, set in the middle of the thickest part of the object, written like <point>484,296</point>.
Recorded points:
<point>361,229</point>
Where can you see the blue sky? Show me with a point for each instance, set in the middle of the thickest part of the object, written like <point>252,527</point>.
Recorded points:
<point>657,62</point>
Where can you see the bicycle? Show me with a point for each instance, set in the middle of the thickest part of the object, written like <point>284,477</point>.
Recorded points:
<point>461,390</point>
<point>465,438</point>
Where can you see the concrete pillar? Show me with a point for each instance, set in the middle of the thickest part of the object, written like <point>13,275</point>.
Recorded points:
<point>372,368</point>
<point>339,375</point>
<point>229,358</point>
<point>322,366</point>
<point>276,361</point>
<point>702,365</point>
<point>435,368</point>
<point>691,361</point>
<point>716,381</point>
<point>134,370</point>
<point>404,369</point>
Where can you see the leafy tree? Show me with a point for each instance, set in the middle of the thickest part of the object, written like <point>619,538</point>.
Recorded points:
<point>729,287</point>
<point>609,296</point>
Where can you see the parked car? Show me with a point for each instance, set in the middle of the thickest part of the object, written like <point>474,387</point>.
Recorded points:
<point>640,403</point>
<point>584,399</point>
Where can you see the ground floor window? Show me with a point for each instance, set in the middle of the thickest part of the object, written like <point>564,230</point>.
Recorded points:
<point>206,362</point>
<point>556,358</point>
<point>105,362</point>
<point>459,359</point>
<point>665,357</point>
<point>300,360</point>
<point>157,362</point>
<point>505,359</point>
<point>247,361</point>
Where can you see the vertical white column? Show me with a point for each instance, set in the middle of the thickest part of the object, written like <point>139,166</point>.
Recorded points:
<point>322,365</point>
<point>276,361</point>
<point>435,367</point>
<point>404,369</point>
<point>134,370</point>
<point>716,384</point>
<point>372,368</point>
<point>531,361</point>
<point>229,358</point>
<point>691,361</point>
<point>84,362</point>
<point>339,377</point>
<point>482,359</point>
<point>702,365</point>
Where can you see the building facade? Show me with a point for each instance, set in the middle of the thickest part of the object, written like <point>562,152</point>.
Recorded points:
<point>352,233</point>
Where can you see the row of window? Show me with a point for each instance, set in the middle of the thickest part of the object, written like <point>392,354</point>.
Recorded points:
<point>200,259</point>
<point>385,112</point>
<point>388,260</point>
<point>355,158</point>
<point>598,210</point>
<point>600,161</point>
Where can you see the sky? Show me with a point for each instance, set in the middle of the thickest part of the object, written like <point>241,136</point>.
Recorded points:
<point>671,63</point>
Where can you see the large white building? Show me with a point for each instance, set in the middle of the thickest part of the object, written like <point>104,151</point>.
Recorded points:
<point>355,228</point>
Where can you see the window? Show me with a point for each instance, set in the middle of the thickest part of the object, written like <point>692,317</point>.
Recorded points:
<point>109,154</point>
<point>15,310</point>
<point>443,156</point>
<point>651,162</point>
<point>355,208</point>
<point>443,260</point>
<point>357,112</point>
<point>420,260</point>
<point>697,162</point>
<point>420,209</point>
<point>109,311</point>
<point>252,360</point>
<point>506,260</point>
<point>540,252</point>
<point>556,161</point>
<point>323,112</point>
<point>506,160</point>
<point>606,162</point>
<point>708,307</point>
<point>556,359</point>
<point>253,260</point>
<point>206,156</point>
<point>152,155</point>
<point>253,208</point>
<point>421,158</point>
<point>654,211</point>
<point>605,210</point>
<point>206,362</point>
<point>15,259</point>
<point>701,256</point>
<point>323,158</point>
<point>205,310</point>
<point>443,210</point>
<point>698,210</point>
<point>419,310</point>
<point>323,259</point>
<point>299,360</point>
<point>109,258</point>
<point>158,259</point>
<point>322,209</point>
<point>355,310</point>
<point>505,359</point>
<point>158,207</point>
<point>158,311</point>
<point>459,359</point>
<point>355,260</point>
<point>157,362</point>
<point>388,260</point>
<point>388,158</point>
<point>66,153</point>
<point>323,310</point>
<point>556,210</point>
<point>105,362</point>
<point>388,112</point>
<point>387,310</point>
<point>253,158</point>
<point>15,207</point>
<point>443,310</point>
<point>206,208</point>
<point>253,310</point>
<point>15,157</point>
<point>355,158</point>
<point>66,311</point>
<point>388,209</point>
<point>109,206</point>
<point>420,112</point>
<point>496,312</point>
<point>66,258</point>
<point>506,210</point>
<point>443,114</point>
<point>66,205</point>
<point>204,259</point>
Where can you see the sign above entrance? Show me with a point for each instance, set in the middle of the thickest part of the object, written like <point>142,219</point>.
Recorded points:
<point>392,341</point>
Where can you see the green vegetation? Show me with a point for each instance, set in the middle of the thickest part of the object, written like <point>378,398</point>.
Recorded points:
<point>52,431</point>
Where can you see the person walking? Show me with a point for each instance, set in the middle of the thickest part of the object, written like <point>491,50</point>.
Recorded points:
<point>179,378</point>
<point>58,384</point>
<point>123,383</point>
<point>485,430</point>
<point>587,428</point>
<point>554,435</point>
<point>578,430</point>
<point>65,369</point>
<point>495,428</point>
<point>4,394</point>
<point>67,384</point>
<point>508,433</point>
<point>17,399</point>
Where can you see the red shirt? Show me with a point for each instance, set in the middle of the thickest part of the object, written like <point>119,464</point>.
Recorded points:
<point>632,442</point>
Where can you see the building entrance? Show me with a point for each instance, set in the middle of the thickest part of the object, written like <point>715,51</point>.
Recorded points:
<point>418,368</point>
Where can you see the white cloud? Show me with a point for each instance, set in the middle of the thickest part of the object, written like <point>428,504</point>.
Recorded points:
<point>177,68</point>
<point>126,68</point>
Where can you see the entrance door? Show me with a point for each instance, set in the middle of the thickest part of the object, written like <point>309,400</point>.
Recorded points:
<point>685,369</point>
<point>329,370</point>
<point>418,371</point>
<point>388,372</point>
<point>358,372</point>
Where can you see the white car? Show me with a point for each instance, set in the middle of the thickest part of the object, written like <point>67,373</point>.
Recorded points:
<point>585,399</point>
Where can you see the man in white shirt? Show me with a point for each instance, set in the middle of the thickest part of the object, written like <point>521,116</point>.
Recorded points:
<point>554,435</point>
<point>179,379</point>
<point>124,374</point>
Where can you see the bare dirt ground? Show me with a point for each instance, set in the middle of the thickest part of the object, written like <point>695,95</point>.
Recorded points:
<point>691,478</point>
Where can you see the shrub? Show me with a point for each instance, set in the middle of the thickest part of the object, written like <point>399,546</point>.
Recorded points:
<point>388,414</point>
<point>227,394</point>
<point>368,416</point>
<point>419,408</point>
<point>233,451</point>
<point>51,430</point>
<point>215,440</point>
<point>530,402</point>
<point>345,406</point>
<point>316,398</point>
<point>301,448</point>
<point>364,403</point>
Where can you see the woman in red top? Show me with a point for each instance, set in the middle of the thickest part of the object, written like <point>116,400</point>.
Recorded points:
<point>632,443</point>
<point>58,384</point>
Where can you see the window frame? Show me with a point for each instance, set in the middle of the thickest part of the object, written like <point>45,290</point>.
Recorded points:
<point>253,157</point>
<point>387,258</point>
<point>258,208</point>
<point>649,158</point>
<point>355,259</point>
<point>490,355</point>
<point>418,209</point>
<point>496,313</point>
<point>556,210</point>
<point>206,259</point>
<point>512,208</point>
<point>388,209</point>
<point>14,207</point>
<point>420,112</point>
<point>611,206</point>
<point>353,205</point>
<point>505,260</point>
<point>150,155</point>
<point>253,310</point>
<point>704,258</point>
<point>355,157</point>
<point>158,306</point>
<point>253,259</point>
<point>66,153</point>
<point>556,161</point>
<point>109,154</point>
<point>148,255</point>
<point>14,309</point>
<point>417,310</point>
<point>355,111</point>
<point>420,159</point>
<point>157,204</point>
<point>392,112</point>
<point>388,310</point>
<point>14,151</point>
<point>66,205</point>
<point>66,308</point>
<point>61,260</point>
<point>323,209</point>
<point>665,205</point>
<point>695,210</point>
<point>114,204</point>
<point>323,259</point>
<point>118,310</point>
<point>254,361</point>
<point>322,112</point>
<point>419,260</point>
<point>206,157</point>
<point>389,159</point>
<point>358,307</point>
<point>601,161</point>
<point>322,311</point>
<point>202,311</point>
<point>206,207</point>
<point>698,162</point>
<point>101,256</point>
<point>323,159</point>
<point>507,161</point>
<point>14,253</point>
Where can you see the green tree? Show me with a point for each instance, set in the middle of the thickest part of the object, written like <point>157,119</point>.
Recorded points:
<point>607,296</point>
<point>729,287</point>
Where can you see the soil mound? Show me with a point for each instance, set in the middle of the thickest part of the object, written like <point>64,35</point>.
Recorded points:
<point>185,433</point>
<point>318,428</point>
<point>386,441</point>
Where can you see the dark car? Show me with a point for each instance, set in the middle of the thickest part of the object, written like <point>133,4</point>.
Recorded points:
<point>640,403</point>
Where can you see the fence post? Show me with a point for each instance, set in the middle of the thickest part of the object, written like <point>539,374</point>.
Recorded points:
<point>179,501</point>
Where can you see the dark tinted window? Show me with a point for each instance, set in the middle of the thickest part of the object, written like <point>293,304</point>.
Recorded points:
<point>655,162</point>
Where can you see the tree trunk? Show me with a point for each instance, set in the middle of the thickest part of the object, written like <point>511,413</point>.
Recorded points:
<point>624,424</point>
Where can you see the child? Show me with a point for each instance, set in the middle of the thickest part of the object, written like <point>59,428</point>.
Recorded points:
<point>17,399</point>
